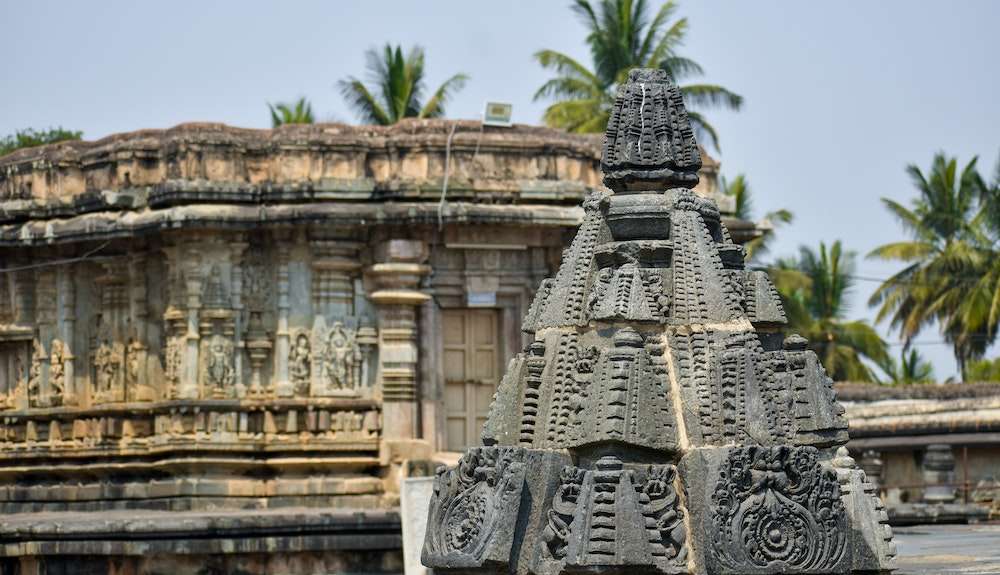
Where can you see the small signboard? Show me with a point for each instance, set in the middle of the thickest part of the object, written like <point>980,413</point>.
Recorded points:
<point>498,114</point>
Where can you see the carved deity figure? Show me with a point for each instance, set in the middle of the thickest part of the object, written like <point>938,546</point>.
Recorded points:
<point>108,362</point>
<point>300,364</point>
<point>35,373</point>
<point>57,373</point>
<point>219,373</point>
<point>172,365</point>
<point>342,359</point>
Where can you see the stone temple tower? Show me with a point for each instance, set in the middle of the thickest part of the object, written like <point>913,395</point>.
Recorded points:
<point>659,421</point>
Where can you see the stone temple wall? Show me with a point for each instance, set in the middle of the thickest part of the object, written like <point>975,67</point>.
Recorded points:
<point>227,341</point>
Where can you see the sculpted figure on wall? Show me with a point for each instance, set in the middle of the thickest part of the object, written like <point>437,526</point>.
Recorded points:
<point>172,365</point>
<point>57,373</point>
<point>219,374</point>
<point>300,364</point>
<point>35,373</point>
<point>342,359</point>
<point>136,388</point>
<point>108,362</point>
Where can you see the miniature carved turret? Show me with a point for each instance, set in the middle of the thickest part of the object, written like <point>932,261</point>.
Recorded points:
<point>659,421</point>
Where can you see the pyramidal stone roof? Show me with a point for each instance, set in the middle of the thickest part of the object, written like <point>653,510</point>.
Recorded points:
<point>659,421</point>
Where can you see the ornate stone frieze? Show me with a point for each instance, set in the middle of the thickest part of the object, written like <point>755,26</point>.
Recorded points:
<point>614,518</point>
<point>476,507</point>
<point>777,509</point>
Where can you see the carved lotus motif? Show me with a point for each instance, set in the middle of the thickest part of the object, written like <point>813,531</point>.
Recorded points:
<point>778,508</point>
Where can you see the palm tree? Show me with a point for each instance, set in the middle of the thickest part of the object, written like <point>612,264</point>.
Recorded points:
<point>911,368</point>
<point>739,190</point>
<point>298,112</point>
<point>623,37</point>
<point>814,290</point>
<point>952,275</point>
<point>398,88</point>
<point>984,370</point>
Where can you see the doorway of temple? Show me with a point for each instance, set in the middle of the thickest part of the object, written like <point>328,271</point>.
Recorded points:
<point>471,373</point>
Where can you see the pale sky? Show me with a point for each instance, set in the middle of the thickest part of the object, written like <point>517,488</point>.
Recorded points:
<point>840,96</point>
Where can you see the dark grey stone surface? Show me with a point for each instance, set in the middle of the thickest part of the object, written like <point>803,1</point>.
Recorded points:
<point>658,422</point>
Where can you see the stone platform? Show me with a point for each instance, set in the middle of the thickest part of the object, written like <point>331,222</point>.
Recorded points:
<point>948,550</point>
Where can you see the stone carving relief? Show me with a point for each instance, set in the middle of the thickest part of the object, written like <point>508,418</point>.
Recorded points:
<point>35,373</point>
<point>172,363</point>
<point>475,507</point>
<point>136,388</point>
<point>214,295</point>
<point>612,515</point>
<point>777,507</point>
<point>16,362</point>
<point>109,360</point>
<point>338,360</point>
<point>300,363</point>
<point>38,394</point>
<point>218,374</point>
<point>258,283</point>
<point>649,139</point>
<point>342,359</point>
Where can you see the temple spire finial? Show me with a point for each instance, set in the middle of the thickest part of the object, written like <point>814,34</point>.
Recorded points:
<point>649,144</point>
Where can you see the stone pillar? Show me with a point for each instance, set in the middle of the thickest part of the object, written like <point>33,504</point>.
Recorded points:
<point>283,386</point>
<point>237,249</point>
<point>137,385</point>
<point>871,464</point>
<point>40,391</point>
<point>24,296</point>
<point>188,386</point>
<point>396,278</point>
<point>939,474</point>
<point>67,322</point>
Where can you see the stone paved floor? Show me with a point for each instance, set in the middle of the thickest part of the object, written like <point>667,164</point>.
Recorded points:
<point>948,549</point>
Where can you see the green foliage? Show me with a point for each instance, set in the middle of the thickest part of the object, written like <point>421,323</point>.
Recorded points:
<point>397,88</point>
<point>983,370</point>
<point>30,138</point>
<point>911,368</point>
<point>621,37</point>
<point>739,190</point>
<point>298,112</point>
<point>814,289</point>
<point>952,259</point>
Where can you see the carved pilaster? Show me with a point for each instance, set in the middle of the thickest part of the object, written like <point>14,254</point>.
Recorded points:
<point>40,389</point>
<point>397,297</point>
<point>137,385</point>
<point>236,252</point>
<point>283,386</point>
<point>188,384</point>
<point>67,323</point>
<point>24,297</point>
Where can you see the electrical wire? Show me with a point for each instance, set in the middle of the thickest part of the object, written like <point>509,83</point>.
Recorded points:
<point>447,171</point>
<point>61,262</point>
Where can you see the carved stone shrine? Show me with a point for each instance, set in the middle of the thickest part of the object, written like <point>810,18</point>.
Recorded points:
<point>658,421</point>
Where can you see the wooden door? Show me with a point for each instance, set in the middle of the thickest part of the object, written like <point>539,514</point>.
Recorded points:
<point>471,373</point>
